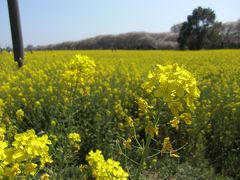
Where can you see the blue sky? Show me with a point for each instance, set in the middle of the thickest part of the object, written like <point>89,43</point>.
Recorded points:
<point>52,21</point>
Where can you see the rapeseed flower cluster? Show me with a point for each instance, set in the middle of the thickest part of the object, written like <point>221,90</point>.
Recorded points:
<point>143,105</point>
<point>75,140</point>
<point>127,143</point>
<point>177,87</point>
<point>105,170</point>
<point>79,74</point>
<point>2,133</point>
<point>19,115</point>
<point>22,156</point>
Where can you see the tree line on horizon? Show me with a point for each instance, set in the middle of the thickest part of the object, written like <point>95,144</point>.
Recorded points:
<point>199,31</point>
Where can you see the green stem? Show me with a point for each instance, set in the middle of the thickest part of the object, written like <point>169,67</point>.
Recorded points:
<point>144,155</point>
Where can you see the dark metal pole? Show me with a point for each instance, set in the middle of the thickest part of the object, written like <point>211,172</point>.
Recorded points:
<point>16,31</point>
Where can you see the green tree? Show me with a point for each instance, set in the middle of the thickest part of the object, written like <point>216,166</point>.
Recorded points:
<point>176,28</point>
<point>196,30</point>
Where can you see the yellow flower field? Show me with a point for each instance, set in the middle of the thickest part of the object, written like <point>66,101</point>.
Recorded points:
<point>146,112</point>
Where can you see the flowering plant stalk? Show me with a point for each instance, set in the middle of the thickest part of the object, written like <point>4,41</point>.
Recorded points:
<point>178,88</point>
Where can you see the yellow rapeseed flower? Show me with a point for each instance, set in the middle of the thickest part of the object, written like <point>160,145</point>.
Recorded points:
<point>74,137</point>
<point>167,148</point>
<point>13,171</point>
<point>175,122</point>
<point>2,133</point>
<point>45,176</point>
<point>105,170</point>
<point>187,118</point>
<point>3,145</point>
<point>30,168</point>
<point>177,87</point>
<point>151,129</point>
<point>20,115</point>
<point>127,143</point>
<point>143,105</point>
<point>75,140</point>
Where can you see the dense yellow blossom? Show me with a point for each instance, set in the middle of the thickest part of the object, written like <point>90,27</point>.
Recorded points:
<point>3,145</point>
<point>75,140</point>
<point>105,170</point>
<point>79,74</point>
<point>74,137</point>
<point>100,102</point>
<point>177,87</point>
<point>26,147</point>
<point>2,133</point>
